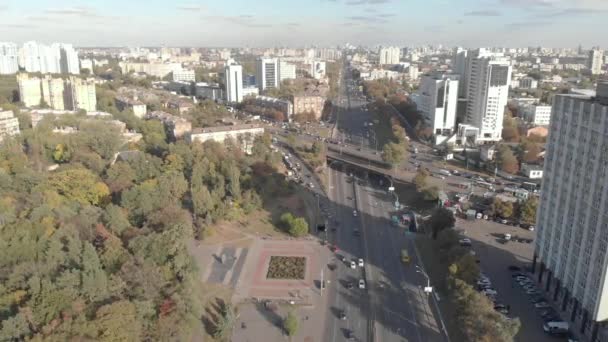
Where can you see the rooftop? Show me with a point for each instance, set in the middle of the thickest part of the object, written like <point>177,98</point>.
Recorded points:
<point>226,128</point>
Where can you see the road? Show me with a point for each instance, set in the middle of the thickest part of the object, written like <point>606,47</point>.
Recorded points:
<point>393,306</point>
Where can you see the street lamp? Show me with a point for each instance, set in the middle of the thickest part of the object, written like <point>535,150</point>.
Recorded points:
<point>428,289</point>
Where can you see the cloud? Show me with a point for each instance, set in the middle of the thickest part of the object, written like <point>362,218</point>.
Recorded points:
<point>79,11</point>
<point>41,18</point>
<point>434,28</point>
<point>245,20</point>
<point>386,15</point>
<point>574,12</point>
<point>366,2</point>
<point>524,25</point>
<point>190,8</point>
<point>19,26</point>
<point>367,19</point>
<point>483,13</point>
<point>530,3</point>
<point>292,24</point>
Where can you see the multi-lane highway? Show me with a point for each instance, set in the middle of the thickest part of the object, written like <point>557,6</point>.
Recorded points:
<point>393,306</point>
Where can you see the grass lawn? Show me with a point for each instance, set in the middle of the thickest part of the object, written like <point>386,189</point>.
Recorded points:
<point>438,274</point>
<point>284,267</point>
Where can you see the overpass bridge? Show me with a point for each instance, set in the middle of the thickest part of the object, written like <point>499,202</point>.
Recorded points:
<point>374,166</point>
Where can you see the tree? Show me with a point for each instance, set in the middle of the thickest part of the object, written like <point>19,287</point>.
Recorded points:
<point>502,209</point>
<point>117,322</point>
<point>430,193</point>
<point>290,324</point>
<point>420,179</point>
<point>225,323</point>
<point>506,159</point>
<point>527,210</point>
<point>79,185</point>
<point>441,219</point>
<point>94,280</point>
<point>393,153</point>
<point>296,227</point>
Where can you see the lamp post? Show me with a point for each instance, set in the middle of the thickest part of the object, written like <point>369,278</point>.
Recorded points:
<point>428,289</point>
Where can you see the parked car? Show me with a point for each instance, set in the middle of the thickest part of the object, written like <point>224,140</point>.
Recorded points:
<point>537,299</point>
<point>541,305</point>
<point>350,285</point>
<point>353,265</point>
<point>342,315</point>
<point>361,284</point>
<point>354,213</point>
<point>489,291</point>
<point>360,262</point>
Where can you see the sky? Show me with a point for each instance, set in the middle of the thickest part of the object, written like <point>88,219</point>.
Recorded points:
<point>266,23</point>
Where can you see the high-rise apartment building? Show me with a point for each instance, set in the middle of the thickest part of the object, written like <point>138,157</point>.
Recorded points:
<point>53,92</point>
<point>317,69</point>
<point>83,94</point>
<point>234,83</point>
<point>437,98</point>
<point>488,78</point>
<point>68,60</point>
<point>460,68</point>
<point>596,60</point>
<point>9,124</point>
<point>267,73</point>
<point>9,58</point>
<point>29,90</point>
<point>571,252</point>
<point>53,59</point>
<point>287,71</point>
<point>389,55</point>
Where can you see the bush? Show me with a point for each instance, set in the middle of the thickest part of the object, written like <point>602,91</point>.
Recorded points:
<point>290,324</point>
<point>295,226</point>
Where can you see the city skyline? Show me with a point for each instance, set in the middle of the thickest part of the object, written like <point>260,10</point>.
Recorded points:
<point>325,22</point>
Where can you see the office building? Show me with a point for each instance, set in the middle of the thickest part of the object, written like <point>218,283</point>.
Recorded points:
<point>9,58</point>
<point>184,76</point>
<point>389,55</point>
<point>437,99</point>
<point>284,106</point>
<point>413,72</point>
<point>82,93</point>
<point>571,249</point>
<point>29,90</point>
<point>234,83</point>
<point>53,92</point>
<point>267,73</point>
<point>9,124</point>
<point>287,71</point>
<point>596,60</point>
<point>488,76</point>
<point>210,91</point>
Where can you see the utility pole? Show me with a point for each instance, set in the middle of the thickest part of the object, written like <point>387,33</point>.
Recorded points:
<point>322,282</point>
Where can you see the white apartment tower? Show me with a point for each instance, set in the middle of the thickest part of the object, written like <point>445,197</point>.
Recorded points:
<point>287,71</point>
<point>9,124</point>
<point>69,62</point>
<point>596,60</point>
<point>267,73</point>
<point>437,98</point>
<point>53,92</point>
<point>29,90</point>
<point>460,68</point>
<point>488,78</point>
<point>83,94</point>
<point>389,55</point>
<point>9,58</point>
<point>234,83</point>
<point>571,251</point>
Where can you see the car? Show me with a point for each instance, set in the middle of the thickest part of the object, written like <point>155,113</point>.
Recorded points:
<point>353,265</point>
<point>517,274</point>
<point>489,292</point>
<point>342,315</point>
<point>503,221</point>
<point>541,305</point>
<point>360,262</point>
<point>484,282</point>
<point>465,242</point>
<point>507,236</point>
<point>361,284</point>
<point>484,287</point>
<point>350,285</point>
<point>354,213</point>
<point>531,228</point>
<point>349,335</point>
<point>514,268</point>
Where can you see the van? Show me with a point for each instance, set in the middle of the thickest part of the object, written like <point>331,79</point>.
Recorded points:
<point>445,172</point>
<point>556,327</point>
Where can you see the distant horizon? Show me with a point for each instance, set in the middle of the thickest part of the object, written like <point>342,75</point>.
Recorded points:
<point>467,23</point>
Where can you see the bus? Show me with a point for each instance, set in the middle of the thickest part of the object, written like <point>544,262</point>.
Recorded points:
<point>405,256</point>
<point>530,186</point>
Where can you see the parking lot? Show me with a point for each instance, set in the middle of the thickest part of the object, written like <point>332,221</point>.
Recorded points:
<point>495,256</point>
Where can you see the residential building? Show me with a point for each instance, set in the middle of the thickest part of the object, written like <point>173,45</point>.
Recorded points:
<point>184,75</point>
<point>287,71</point>
<point>571,248</point>
<point>9,124</point>
<point>267,73</point>
<point>9,58</point>
<point>182,105</point>
<point>528,83</point>
<point>83,94</point>
<point>488,77</point>
<point>389,55</point>
<point>138,108</point>
<point>38,114</point>
<point>460,68</point>
<point>233,79</point>
<point>317,69</point>
<point>245,134</point>
<point>29,90</point>
<point>251,91</point>
<point>537,114</point>
<point>437,99</point>
<point>159,70</point>
<point>596,60</point>
<point>175,126</point>
<point>312,100</point>
<point>211,91</point>
<point>532,171</point>
<point>413,72</point>
<point>284,106</point>
<point>68,60</point>
<point>34,57</point>
<point>87,64</point>
<point>53,92</point>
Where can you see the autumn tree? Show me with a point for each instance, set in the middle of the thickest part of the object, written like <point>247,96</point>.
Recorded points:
<point>506,160</point>
<point>527,210</point>
<point>393,153</point>
<point>504,209</point>
<point>420,179</point>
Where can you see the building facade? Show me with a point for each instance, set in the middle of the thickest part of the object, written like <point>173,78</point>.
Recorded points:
<point>309,103</point>
<point>267,73</point>
<point>488,77</point>
<point>389,55</point>
<point>287,71</point>
<point>184,75</point>
<point>127,103</point>
<point>9,124</point>
<point>245,134</point>
<point>234,83</point>
<point>209,91</point>
<point>460,68</point>
<point>54,92</point>
<point>159,70</point>
<point>437,99</point>
<point>538,115</point>
<point>571,250</point>
<point>318,69</point>
<point>83,94</point>
<point>284,106</point>
<point>29,90</point>
<point>175,126</point>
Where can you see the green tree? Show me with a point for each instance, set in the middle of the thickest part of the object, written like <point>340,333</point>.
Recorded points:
<point>420,179</point>
<point>15,328</point>
<point>79,185</point>
<point>393,153</point>
<point>527,210</point>
<point>441,219</point>
<point>225,323</point>
<point>506,160</point>
<point>290,324</point>
<point>94,279</point>
<point>430,193</point>
<point>117,322</point>
<point>504,209</point>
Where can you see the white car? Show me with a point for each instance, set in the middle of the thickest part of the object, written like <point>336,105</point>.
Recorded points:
<point>361,284</point>
<point>489,292</point>
<point>531,228</point>
<point>353,265</point>
<point>464,242</point>
<point>354,213</point>
<point>360,262</point>
<point>541,305</point>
